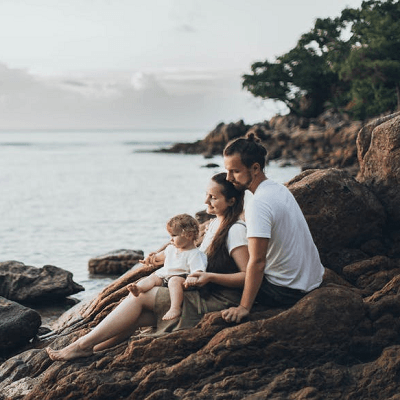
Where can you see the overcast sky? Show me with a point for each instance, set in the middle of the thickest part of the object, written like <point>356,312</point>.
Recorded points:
<point>142,64</point>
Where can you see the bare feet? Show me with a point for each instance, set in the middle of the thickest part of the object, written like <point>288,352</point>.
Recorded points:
<point>69,353</point>
<point>134,289</point>
<point>172,313</point>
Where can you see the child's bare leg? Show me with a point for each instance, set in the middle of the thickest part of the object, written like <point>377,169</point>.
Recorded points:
<point>125,318</point>
<point>175,286</point>
<point>144,285</point>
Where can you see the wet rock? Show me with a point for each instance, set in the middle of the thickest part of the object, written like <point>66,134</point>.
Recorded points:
<point>116,262</point>
<point>210,165</point>
<point>18,325</point>
<point>27,284</point>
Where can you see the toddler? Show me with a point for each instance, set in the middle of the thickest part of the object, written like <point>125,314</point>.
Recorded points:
<point>180,258</point>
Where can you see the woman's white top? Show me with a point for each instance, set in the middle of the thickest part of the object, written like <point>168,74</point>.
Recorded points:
<point>236,236</point>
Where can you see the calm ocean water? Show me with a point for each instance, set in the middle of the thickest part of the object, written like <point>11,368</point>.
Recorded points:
<point>67,196</point>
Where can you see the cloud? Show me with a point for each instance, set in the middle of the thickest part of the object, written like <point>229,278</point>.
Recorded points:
<point>124,100</point>
<point>143,81</point>
<point>186,28</point>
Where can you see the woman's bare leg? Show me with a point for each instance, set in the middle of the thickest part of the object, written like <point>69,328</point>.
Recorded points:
<point>175,286</point>
<point>122,320</point>
<point>147,318</point>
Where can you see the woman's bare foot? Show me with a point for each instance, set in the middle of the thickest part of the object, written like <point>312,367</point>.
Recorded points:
<point>69,353</point>
<point>172,313</point>
<point>134,289</point>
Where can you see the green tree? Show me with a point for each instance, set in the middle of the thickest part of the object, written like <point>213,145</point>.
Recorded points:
<point>304,78</point>
<point>352,61</point>
<point>373,65</point>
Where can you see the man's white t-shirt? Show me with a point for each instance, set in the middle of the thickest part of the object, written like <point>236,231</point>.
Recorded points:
<point>181,262</point>
<point>236,235</point>
<point>292,257</point>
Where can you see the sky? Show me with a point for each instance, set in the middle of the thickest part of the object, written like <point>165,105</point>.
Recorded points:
<point>148,64</point>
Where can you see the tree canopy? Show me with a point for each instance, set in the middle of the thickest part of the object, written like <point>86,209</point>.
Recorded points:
<point>351,62</point>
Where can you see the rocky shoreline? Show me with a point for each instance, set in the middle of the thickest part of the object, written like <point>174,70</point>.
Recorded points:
<point>328,141</point>
<point>342,341</point>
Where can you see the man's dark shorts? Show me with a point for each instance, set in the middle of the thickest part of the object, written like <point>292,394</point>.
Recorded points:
<point>275,296</point>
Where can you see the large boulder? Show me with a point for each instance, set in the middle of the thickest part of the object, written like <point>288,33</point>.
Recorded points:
<point>18,325</point>
<point>27,284</point>
<point>116,262</point>
<point>379,158</point>
<point>340,211</point>
<point>213,359</point>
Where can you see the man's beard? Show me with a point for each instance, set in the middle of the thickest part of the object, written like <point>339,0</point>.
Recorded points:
<point>243,186</point>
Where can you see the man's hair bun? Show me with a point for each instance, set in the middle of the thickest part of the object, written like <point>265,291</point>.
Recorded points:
<point>252,137</point>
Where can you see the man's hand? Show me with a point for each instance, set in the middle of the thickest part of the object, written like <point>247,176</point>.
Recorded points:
<point>235,314</point>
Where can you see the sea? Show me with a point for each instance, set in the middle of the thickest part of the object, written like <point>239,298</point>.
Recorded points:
<point>69,196</point>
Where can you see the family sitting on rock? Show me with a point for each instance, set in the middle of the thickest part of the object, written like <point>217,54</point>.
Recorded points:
<point>271,259</point>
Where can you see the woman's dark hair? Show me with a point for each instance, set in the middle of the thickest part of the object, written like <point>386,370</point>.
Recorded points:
<point>249,148</point>
<point>219,259</point>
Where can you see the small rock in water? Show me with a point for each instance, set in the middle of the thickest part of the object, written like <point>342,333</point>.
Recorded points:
<point>210,165</point>
<point>116,262</point>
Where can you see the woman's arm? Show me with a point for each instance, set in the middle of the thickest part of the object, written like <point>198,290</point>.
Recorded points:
<point>241,257</point>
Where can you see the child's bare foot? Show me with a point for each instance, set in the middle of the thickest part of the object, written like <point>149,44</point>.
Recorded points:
<point>69,353</point>
<point>134,289</point>
<point>172,313</point>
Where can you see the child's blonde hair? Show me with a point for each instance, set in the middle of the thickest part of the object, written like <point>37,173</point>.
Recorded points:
<point>186,224</point>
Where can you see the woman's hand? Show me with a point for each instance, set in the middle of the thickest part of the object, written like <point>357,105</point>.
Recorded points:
<point>190,281</point>
<point>200,279</point>
<point>149,260</point>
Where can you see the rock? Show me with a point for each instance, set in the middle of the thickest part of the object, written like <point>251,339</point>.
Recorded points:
<point>207,361</point>
<point>210,165</point>
<point>323,142</point>
<point>372,274</point>
<point>18,325</point>
<point>214,142</point>
<point>27,284</point>
<point>340,211</point>
<point>116,262</point>
<point>379,158</point>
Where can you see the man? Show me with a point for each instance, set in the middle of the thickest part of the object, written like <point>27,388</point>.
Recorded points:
<point>284,263</point>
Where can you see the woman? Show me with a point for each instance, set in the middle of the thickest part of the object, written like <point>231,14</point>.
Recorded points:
<point>219,287</point>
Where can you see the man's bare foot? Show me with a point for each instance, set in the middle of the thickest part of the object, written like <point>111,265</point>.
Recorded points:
<point>134,289</point>
<point>172,313</point>
<point>69,353</point>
